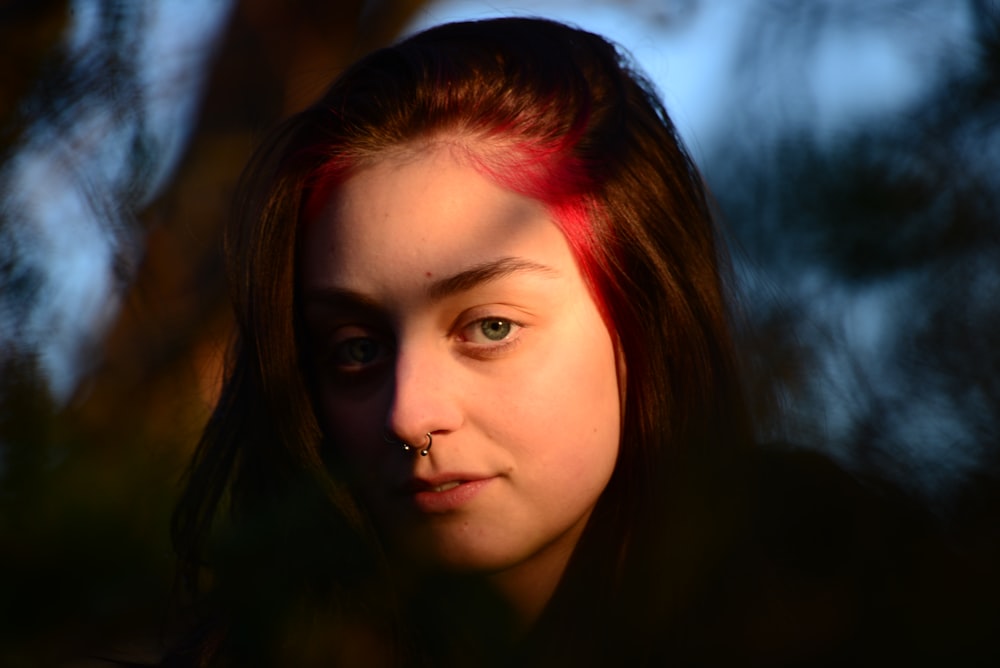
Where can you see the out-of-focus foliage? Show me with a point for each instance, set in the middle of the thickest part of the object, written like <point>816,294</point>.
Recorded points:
<point>28,33</point>
<point>873,248</point>
<point>96,137</point>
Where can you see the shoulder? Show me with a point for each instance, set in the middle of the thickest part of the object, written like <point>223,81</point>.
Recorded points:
<point>819,566</point>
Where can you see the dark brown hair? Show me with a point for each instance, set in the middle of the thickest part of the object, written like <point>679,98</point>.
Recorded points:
<point>549,111</point>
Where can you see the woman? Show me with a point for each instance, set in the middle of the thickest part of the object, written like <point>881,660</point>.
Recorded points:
<point>483,358</point>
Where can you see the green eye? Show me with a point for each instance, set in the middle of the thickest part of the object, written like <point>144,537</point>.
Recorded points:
<point>358,351</point>
<point>495,329</point>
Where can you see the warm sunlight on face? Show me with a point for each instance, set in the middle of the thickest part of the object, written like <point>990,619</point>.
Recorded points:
<point>437,302</point>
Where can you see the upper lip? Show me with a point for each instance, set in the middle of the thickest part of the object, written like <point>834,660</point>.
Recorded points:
<point>424,484</point>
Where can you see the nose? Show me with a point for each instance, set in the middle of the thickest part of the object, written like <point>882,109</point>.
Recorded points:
<point>425,397</point>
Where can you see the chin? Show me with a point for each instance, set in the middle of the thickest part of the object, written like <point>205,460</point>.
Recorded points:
<point>457,556</point>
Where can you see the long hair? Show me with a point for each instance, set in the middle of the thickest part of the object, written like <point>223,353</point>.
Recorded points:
<point>544,110</point>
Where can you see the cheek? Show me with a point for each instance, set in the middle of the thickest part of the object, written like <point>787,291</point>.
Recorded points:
<point>596,405</point>
<point>351,425</point>
<point>573,400</point>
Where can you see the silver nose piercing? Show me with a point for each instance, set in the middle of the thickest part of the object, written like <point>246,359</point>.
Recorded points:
<point>424,451</point>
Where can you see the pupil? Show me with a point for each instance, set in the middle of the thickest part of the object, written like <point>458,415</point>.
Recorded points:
<point>495,330</point>
<point>361,350</point>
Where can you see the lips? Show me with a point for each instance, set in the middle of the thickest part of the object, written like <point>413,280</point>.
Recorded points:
<point>439,483</point>
<point>444,493</point>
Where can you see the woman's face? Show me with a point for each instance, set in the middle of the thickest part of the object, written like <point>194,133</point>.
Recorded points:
<point>437,302</point>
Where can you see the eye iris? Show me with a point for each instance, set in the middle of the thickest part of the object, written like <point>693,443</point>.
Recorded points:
<point>361,351</point>
<point>495,330</point>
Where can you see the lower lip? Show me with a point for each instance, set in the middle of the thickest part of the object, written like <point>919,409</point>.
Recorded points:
<point>452,499</point>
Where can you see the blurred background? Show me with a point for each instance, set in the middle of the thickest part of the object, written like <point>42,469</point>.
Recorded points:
<point>852,146</point>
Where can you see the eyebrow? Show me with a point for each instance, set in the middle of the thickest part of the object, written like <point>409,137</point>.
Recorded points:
<point>441,288</point>
<point>486,273</point>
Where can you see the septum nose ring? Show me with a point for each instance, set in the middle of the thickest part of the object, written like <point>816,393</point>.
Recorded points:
<point>407,447</point>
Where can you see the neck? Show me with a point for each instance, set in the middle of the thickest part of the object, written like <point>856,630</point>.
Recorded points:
<point>528,587</point>
<point>505,604</point>
<point>475,618</point>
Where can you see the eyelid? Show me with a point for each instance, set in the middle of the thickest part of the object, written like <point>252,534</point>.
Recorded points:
<point>340,331</point>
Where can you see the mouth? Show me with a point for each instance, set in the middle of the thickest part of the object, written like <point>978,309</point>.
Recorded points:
<point>445,493</point>
<point>444,487</point>
<point>419,485</point>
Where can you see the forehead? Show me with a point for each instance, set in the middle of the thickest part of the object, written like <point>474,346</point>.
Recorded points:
<point>422,213</point>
